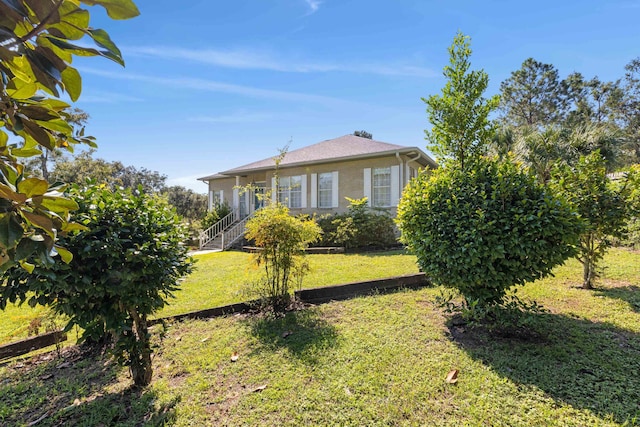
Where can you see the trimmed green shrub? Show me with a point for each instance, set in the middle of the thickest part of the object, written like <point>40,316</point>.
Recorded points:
<point>360,227</point>
<point>127,260</point>
<point>486,228</point>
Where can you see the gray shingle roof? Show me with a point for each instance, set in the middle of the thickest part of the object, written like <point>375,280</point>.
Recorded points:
<point>333,149</point>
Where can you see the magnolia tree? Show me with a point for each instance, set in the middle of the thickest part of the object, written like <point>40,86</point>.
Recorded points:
<point>128,260</point>
<point>38,40</point>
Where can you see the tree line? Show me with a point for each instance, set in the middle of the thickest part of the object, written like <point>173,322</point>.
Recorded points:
<point>56,166</point>
<point>544,119</point>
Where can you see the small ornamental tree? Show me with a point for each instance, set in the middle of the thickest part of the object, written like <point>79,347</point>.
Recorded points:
<point>127,262</point>
<point>480,225</point>
<point>485,229</point>
<point>282,240</point>
<point>605,207</point>
<point>460,115</point>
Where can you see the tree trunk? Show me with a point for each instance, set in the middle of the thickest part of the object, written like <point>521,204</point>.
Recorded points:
<point>141,369</point>
<point>589,263</point>
<point>588,274</point>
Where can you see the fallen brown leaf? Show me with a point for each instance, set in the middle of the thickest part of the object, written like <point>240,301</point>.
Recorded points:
<point>452,376</point>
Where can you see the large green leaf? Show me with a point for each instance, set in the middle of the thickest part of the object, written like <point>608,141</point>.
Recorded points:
<point>116,9</point>
<point>56,203</point>
<point>33,187</point>
<point>102,38</point>
<point>26,152</point>
<point>65,255</point>
<point>10,230</point>
<point>21,90</point>
<point>56,125</point>
<point>73,22</point>
<point>84,51</point>
<point>72,82</point>
<point>54,104</point>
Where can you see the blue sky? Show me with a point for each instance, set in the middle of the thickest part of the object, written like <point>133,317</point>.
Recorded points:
<point>211,85</point>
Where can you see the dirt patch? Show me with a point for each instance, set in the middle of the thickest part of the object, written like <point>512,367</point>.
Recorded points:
<point>481,335</point>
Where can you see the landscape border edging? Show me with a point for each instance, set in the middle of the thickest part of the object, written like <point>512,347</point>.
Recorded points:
<point>310,296</point>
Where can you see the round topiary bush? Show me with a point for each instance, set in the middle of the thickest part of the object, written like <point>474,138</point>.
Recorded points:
<point>486,228</point>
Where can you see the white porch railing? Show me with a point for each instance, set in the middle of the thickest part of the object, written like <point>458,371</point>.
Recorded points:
<point>212,232</point>
<point>230,236</point>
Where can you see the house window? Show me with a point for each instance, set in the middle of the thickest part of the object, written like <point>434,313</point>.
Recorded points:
<point>325,190</point>
<point>381,187</point>
<point>290,191</point>
<point>217,198</point>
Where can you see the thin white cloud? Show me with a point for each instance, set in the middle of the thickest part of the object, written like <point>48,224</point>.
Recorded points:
<point>237,117</point>
<point>187,83</point>
<point>251,60</point>
<point>99,97</point>
<point>314,5</point>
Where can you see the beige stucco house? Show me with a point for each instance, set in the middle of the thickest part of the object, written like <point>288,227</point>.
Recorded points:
<point>319,177</point>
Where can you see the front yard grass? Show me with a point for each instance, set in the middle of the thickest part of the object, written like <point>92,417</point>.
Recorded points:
<point>224,277</point>
<point>376,361</point>
<point>221,278</point>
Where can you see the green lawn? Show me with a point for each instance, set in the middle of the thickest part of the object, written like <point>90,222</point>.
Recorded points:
<point>375,361</point>
<point>221,278</point>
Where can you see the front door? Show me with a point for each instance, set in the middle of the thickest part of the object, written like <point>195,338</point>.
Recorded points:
<point>258,195</point>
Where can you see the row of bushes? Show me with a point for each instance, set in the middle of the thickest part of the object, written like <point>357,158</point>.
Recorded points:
<point>359,227</point>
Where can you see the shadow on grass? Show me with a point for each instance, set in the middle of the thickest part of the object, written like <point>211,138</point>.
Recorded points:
<point>588,365</point>
<point>303,333</point>
<point>74,391</point>
<point>630,294</point>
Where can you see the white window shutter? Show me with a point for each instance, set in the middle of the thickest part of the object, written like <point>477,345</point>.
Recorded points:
<point>222,197</point>
<point>236,198</point>
<point>210,201</point>
<point>314,190</point>
<point>335,197</point>
<point>303,191</point>
<point>395,185</point>
<point>367,185</point>
<point>274,190</point>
